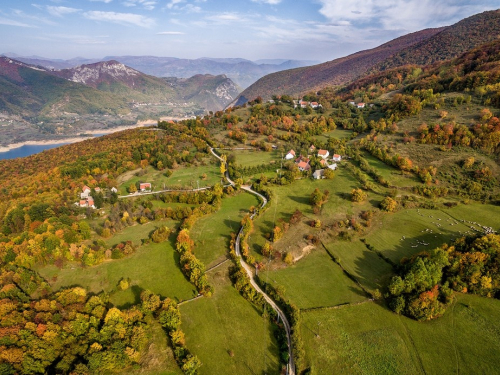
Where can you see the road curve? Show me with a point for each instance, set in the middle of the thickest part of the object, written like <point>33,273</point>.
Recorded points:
<point>248,269</point>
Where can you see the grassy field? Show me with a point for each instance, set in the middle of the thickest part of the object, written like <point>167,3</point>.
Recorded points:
<point>419,227</point>
<point>181,177</point>
<point>211,234</point>
<point>369,269</point>
<point>153,266</point>
<point>337,133</point>
<point>370,339</point>
<point>297,196</point>
<point>137,232</point>
<point>252,158</point>
<point>315,281</point>
<point>484,214</point>
<point>394,176</point>
<point>227,324</point>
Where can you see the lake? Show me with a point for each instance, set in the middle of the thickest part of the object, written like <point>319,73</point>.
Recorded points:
<point>27,150</point>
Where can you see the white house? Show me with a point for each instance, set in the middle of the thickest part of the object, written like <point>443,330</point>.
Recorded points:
<point>332,166</point>
<point>290,155</point>
<point>336,157</point>
<point>85,192</point>
<point>318,174</point>
<point>323,153</point>
<point>114,190</point>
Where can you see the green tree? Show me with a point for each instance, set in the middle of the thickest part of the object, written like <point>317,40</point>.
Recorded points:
<point>358,195</point>
<point>388,204</point>
<point>191,365</point>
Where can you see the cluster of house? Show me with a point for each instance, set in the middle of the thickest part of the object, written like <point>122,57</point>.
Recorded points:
<point>302,162</point>
<point>86,199</point>
<point>313,105</point>
<point>360,105</point>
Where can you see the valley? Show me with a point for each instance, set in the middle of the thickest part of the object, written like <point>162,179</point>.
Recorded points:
<point>331,226</point>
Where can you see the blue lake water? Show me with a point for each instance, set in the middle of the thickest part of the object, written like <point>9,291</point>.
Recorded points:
<point>28,150</point>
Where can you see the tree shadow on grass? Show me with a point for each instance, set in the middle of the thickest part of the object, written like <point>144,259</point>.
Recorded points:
<point>301,200</point>
<point>136,291</point>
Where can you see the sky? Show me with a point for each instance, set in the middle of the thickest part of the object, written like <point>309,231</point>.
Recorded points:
<point>318,30</point>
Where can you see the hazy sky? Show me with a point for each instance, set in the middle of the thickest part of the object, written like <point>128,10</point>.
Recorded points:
<point>253,29</point>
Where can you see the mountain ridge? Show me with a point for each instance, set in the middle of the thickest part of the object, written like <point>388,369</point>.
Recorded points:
<point>424,47</point>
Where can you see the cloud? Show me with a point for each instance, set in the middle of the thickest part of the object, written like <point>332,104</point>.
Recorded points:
<point>60,11</point>
<point>147,4</point>
<point>173,3</point>
<point>270,2</point>
<point>8,22</point>
<point>28,17</point>
<point>225,17</point>
<point>103,1</point>
<point>170,33</point>
<point>121,18</point>
<point>398,15</point>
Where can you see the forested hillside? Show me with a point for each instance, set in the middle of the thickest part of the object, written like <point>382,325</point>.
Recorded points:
<point>420,48</point>
<point>370,221</point>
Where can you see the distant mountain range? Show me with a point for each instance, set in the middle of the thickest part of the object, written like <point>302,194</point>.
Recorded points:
<point>241,71</point>
<point>419,48</point>
<point>105,87</point>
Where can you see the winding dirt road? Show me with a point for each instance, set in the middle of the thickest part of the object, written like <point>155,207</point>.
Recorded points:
<point>249,271</point>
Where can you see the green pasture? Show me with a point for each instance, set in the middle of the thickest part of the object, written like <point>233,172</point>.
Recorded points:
<point>371,271</point>
<point>154,267</point>
<point>247,158</point>
<point>137,232</point>
<point>337,133</point>
<point>418,227</point>
<point>211,234</point>
<point>184,176</point>
<point>288,198</point>
<point>227,333</point>
<point>392,175</point>
<point>315,281</point>
<point>370,339</point>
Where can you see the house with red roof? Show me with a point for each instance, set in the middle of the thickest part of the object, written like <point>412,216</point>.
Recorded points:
<point>336,157</point>
<point>290,155</point>
<point>323,154</point>
<point>144,186</point>
<point>303,166</point>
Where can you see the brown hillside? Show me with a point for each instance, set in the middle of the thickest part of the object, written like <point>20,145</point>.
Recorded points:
<point>421,48</point>
<point>331,73</point>
<point>463,36</point>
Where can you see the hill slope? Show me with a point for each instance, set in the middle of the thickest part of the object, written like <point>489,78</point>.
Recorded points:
<point>210,92</point>
<point>331,73</point>
<point>104,87</point>
<point>31,91</point>
<point>465,35</point>
<point>422,47</point>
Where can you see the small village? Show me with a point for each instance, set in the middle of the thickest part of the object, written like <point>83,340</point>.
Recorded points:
<point>303,162</point>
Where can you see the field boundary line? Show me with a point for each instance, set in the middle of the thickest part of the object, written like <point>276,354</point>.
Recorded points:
<point>190,300</point>
<point>347,273</point>
<point>217,265</point>
<point>336,307</point>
